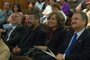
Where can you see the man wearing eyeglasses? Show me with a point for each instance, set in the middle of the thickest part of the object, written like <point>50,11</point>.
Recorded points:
<point>5,13</point>
<point>33,36</point>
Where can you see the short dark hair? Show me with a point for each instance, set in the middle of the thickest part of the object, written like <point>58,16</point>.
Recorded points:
<point>9,3</point>
<point>42,1</point>
<point>83,16</point>
<point>31,2</point>
<point>19,7</point>
<point>35,15</point>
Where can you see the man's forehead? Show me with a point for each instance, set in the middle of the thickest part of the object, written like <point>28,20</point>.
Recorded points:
<point>6,3</point>
<point>77,15</point>
<point>15,14</point>
<point>31,15</point>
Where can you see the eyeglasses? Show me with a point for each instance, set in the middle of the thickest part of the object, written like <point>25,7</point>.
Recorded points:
<point>51,19</point>
<point>29,18</point>
<point>6,5</point>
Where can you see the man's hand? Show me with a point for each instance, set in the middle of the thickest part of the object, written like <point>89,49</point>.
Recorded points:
<point>60,57</point>
<point>5,10</point>
<point>26,15</point>
<point>1,30</point>
<point>43,47</point>
<point>16,50</point>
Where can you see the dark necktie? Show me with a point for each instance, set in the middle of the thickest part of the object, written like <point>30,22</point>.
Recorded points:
<point>73,41</point>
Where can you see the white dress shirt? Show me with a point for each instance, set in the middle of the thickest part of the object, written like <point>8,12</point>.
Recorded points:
<point>78,35</point>
<point>39,5</point>
<point>47,10</point>
<point>11,32</point>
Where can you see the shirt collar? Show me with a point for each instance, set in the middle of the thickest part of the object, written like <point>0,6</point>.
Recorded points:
<point>14,27</point>
<point>79,33</point>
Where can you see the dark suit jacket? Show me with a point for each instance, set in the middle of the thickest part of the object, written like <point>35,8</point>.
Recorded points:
<point>15,36</point>
<point>81,48</point>
<point>36,38</point>
<point>56,40</point>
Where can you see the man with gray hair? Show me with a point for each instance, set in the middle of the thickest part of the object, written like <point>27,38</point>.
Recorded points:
<point>76,45</point>
<point>15,33</point>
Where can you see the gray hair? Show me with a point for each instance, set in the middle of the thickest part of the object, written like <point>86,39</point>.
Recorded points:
<point>19,14</point>
<point>83,16</point>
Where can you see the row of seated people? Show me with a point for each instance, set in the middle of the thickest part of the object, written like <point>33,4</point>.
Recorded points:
<point>16,19</point>
<point>74,45</point>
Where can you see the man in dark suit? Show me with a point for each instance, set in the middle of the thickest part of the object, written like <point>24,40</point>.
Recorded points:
<point>14,35</point>
<point>76,45</point>
<point>34,35</point>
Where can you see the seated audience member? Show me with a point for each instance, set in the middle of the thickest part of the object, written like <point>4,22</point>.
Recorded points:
<point>15,33</point>
<point>16,8</point>
<point>33,8</point>
<point>65,7</point>
<point>33,36</point>
<point>4,15</point>
<point>76,45</point>
<point>56,7</point>
<point>4,51</point>
<point>48,10</point>
<point>56,34</point>
<point>40,4</point>
<point>81,6</point>
<point>87,11</point>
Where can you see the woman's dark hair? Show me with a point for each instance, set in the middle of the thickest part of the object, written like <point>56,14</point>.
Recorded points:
<point>42,1</point>
<point>19,7</point>
<point>31,2</point>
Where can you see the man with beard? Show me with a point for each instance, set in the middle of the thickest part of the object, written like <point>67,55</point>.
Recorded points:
<point>34,36</point>
<point>76,45</point>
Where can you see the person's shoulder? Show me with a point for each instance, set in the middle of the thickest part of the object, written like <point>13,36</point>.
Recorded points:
<point>10,11</point>
<point>41,29</point>
<point>37,3</point>
<point>20,26</point>
<point>84,10</point>
<point>66,4</point>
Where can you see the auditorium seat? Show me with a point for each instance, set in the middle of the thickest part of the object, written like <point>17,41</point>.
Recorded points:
<point>21,58</point>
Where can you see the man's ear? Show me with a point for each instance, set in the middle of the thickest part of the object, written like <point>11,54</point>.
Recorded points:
<point>37,19</point>
<point>20,20</point>
<point>84,21</point>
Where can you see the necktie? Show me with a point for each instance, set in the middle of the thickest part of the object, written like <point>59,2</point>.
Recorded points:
<point>9,34</point>
<point>73,41</point>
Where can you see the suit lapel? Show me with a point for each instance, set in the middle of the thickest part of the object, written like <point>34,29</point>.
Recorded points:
<point>12,32</point>
<point>79,39</point>
<point>68,38</point>
<point>15,30</point>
